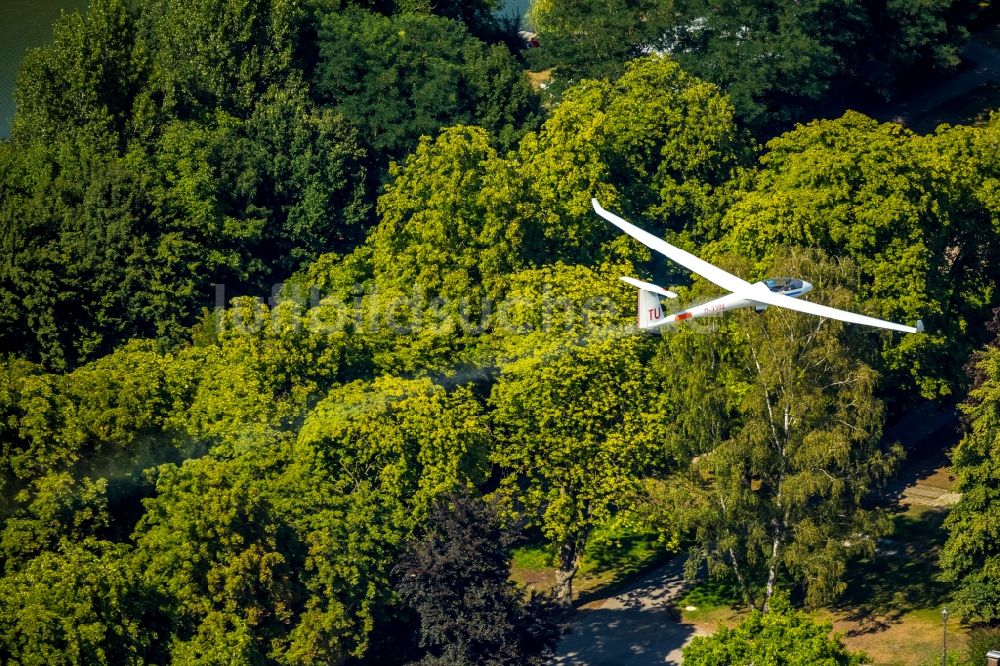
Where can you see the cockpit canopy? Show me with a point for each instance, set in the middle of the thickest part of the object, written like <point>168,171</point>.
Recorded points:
<point>783,284</point>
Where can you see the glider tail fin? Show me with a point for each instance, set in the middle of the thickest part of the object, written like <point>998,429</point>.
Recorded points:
<point>650,310</point>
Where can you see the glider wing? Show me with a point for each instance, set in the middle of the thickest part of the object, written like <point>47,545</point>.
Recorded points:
<point>685,259</point>
<point>765,295</point>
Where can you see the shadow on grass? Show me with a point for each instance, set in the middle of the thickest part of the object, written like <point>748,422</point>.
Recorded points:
<point>714,593</point>
<point>625,554</point>
<point>902,576</point>
<point>612,560</point>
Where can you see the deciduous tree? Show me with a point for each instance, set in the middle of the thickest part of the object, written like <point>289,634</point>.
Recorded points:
<point>777,488</point>
<point>578,410</point>
<point>455,574</point>
<point>970,558</point>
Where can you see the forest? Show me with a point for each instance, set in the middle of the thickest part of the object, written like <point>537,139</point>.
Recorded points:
<point>307,320</point>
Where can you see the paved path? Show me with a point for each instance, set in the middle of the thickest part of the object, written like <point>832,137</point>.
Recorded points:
<point>932,496</point>
<point>926,432</point>
<point>633,628</point>
<point>987,68</point>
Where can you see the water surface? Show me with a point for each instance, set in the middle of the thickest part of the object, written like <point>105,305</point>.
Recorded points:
<point>23,24</point>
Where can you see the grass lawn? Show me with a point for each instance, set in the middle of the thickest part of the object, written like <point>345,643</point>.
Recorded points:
<point>539,79</point>
<point>612,556</point>
<point>892,606</point>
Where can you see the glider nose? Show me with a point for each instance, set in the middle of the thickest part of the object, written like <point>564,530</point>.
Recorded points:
<point>806,287</point>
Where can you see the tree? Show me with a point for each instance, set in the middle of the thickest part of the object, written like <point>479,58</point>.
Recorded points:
<point>104,418</point>
<point>264,552</point>
<point>970,559</point>
<point>428,441</point>
<point>61,510</point>
<point>443,230</point>
<point>779,636</point>
<point>266,368</point>
<point>158,150</point>
<point>80,604</point>
<point>402,77</point>
<point>455,573</point>
<point>908,38</point>
<point>594,38</point>
<point>218,55</point>
<point>778,61</point>
<point>793,446</point>
<point>260,198</point>
<point>416,293</point>
<point>577,409</point>
<point>878,195</point>
<point>215,544</point>
<point>656,143</point>
<point>87,79</point>
<point>104,247</point>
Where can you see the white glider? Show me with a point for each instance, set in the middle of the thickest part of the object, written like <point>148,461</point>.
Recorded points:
<point>780,292</point>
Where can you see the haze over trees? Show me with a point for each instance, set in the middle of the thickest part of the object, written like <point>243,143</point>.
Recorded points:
<point>299,477</point>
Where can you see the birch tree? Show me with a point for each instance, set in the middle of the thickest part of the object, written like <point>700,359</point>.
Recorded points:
<point>796,431</point>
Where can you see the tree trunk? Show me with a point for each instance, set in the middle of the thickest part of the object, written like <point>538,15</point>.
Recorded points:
<point>747,595</point>
<point>772,574</point>
<point>569,564</point>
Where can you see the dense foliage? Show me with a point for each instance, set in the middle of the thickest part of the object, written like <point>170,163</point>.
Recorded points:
<point>455,576</point>
<point>775,485</point>
<point>297,476</point>
<point>779,60</point>
<point>971,558</point>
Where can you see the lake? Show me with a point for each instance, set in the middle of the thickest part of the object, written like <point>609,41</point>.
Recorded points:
<point>23,24</point>
<point>28,23</point>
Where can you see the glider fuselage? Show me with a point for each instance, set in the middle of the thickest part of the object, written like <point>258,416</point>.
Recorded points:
<point>791,287</point>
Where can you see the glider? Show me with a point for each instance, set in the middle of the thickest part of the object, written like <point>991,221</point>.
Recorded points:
<point>780,292</point>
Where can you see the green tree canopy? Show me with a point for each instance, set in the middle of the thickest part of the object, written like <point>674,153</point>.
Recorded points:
<point>595,38</point>
<point>402,77</point>
<point>656,143</point>
<point>102,416</point>
<point>880,196</point>
<point>426,440</point>
<point>781,61</point>
<point>80,604</point>
<point>783,405</point>
<point>86,79</point>
<point>151,159</point>
<point>970,558</point>
<point>218,55</point>
<point>577,409</point>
